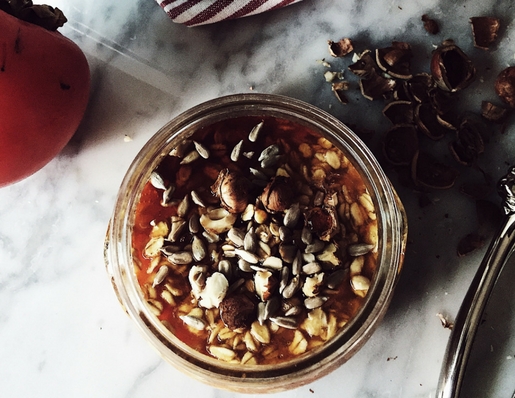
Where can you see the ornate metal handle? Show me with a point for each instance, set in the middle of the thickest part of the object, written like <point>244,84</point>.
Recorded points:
<point>473,305</point>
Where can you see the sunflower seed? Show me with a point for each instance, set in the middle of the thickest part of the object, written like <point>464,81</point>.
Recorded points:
<point>197,199</point>
<point>157,181</point>
<point>270,161</point>
<point>314,302</point>
<point>287,322</point>
<point>161,274</point>
<point>292,287</point>
<point>184,206</point>
<point>311,268</point>
<point>291,216</point>
<point>260,332</point>
<point>194,223</point>
<point>285,275</point>
<point>244,265</point>
<point>177,228</point>
<point>180,258</point>
<point>271,307</point>
<point>194,322</point>
<point>258,174</point>
<point>296,266</point>
<point>248,213</point>
<point>261,312</point>
<point>335,278</point>
<point>306,237</point>
<point>225,267</point>
<point>236,236</point>
<point>167,196</point>
<point>287,252</point>
<point>201,149</point>
<point>249,241</point>
<point>210,237</point>
<point>168,249</point>
<point>293,311</point>
<point>198,249</point>
<point>254,133</point>
<point>190,157</point>
<point>273,262</point>
<point>247,256</point>
<point>315,246</point>
<point>359,249</point>
<point>235,154</point>
<point>269,151</point>
<point>285,234</point>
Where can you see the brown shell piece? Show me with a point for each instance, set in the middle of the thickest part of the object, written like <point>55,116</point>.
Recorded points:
<point>505,86</point>
<point>339,89</point>
<point>340,48</point>
<point>395,60</point>
<point>451,68</point>
<point>400,144</point>
<point>430,25</point>
<point>484,30</point>
<point>427,122</point>
<point>399,112</point>
<point>469,143</point>
<point>419,86</point>
<point>428,172</point>
<point>365,66</point>
<point>493,112</point>
<point>376,86</point>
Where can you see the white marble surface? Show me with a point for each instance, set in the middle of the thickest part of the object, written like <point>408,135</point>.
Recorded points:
<point>62,332</point>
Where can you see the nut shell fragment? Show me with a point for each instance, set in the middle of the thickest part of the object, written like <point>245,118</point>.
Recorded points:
<point>430,25</point>
<point>340,48</point>
<point>395,60</point>
<point>485,30</point>
<point>428,172</point>
<point>400,144</point>
<point>505,86</point>
<point>493,112</point>
<point>451,67</point>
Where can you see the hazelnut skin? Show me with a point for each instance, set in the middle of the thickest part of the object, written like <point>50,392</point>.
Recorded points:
<point>278,195</point>
<point>232,190</point>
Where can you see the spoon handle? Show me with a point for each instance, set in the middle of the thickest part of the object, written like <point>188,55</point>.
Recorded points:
<point>473,305</point>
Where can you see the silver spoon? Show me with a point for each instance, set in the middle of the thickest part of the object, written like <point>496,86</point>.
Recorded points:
<point>473,305</point>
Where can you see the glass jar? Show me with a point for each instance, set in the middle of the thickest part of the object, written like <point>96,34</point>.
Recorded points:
<point>392,230</point>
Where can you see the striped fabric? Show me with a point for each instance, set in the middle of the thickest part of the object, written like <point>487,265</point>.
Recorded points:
<point>200,12</point>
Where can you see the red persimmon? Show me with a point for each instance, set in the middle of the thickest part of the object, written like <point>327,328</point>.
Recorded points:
<point>44,91</point>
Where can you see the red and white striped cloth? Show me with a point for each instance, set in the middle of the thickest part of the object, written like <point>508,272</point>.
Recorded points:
<point>201,12</point>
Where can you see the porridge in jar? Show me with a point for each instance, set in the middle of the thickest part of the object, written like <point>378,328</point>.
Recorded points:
<point>255,240</point>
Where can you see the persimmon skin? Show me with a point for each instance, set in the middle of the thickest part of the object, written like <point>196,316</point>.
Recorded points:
<point>44,92</point>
